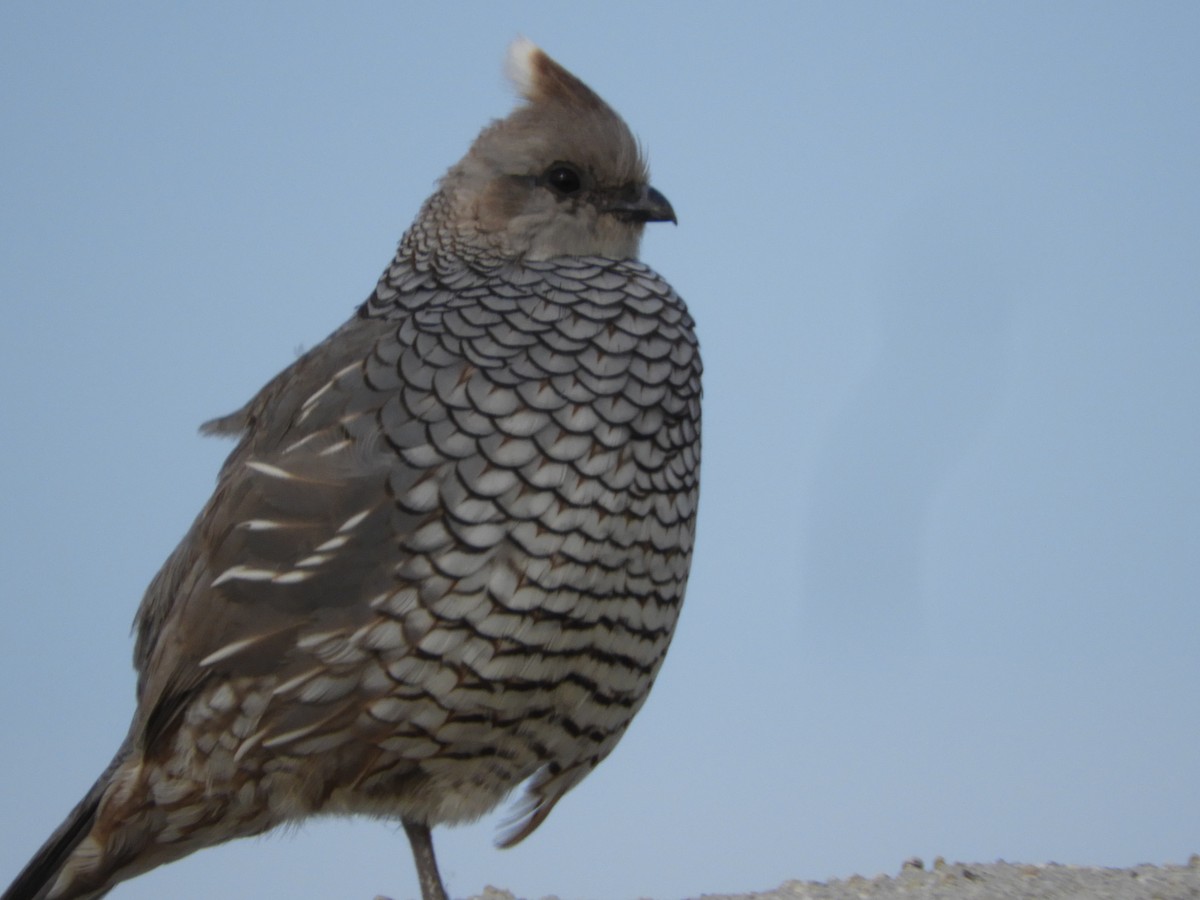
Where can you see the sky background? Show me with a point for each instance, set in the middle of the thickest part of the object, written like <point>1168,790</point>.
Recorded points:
<point>945,264</point>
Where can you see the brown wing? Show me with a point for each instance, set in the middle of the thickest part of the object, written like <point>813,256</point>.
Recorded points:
<point>300,532</point>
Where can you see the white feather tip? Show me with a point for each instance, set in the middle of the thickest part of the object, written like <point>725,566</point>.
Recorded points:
<point>521,66</point>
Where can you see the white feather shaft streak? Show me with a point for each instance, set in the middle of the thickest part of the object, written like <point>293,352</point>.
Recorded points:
<point>270,470</point>
<point>354,521</point>
<point>230,649</point>
<point>247,573</point>
<point>244,573</point>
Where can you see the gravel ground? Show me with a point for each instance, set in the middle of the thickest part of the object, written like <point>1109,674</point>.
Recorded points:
<point>983,881</point>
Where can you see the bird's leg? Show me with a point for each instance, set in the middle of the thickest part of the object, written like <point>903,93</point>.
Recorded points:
<point>427,871</point>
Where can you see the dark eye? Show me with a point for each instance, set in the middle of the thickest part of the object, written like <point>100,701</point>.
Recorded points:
<point>563,179</point>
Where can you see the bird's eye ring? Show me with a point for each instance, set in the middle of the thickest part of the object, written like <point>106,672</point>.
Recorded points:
<point>563,179</point>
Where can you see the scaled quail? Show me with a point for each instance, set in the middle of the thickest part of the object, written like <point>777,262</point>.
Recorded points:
<point>449,550</point>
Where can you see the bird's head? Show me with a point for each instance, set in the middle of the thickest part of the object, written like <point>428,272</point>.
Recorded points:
<point>562,175</point>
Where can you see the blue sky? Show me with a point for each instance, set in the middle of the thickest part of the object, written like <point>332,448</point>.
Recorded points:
<point>945,261</point>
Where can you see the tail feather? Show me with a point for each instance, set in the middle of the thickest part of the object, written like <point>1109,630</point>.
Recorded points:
<point>40,873</point>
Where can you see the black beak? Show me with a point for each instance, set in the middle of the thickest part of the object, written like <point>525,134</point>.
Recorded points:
<point>647,206</point>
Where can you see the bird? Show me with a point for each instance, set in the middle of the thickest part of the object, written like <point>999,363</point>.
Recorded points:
<point>448,551</point>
